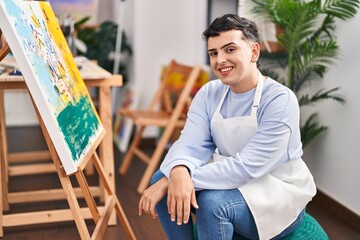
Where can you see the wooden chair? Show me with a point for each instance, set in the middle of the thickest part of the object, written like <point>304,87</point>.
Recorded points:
<point>4,47</point>
<point>171,115</point>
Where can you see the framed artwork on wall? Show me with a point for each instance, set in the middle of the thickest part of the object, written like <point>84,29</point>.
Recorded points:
<point>123,127</point>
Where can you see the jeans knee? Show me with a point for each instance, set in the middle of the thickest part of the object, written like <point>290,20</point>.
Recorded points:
<point>209,204</point>
<point>220,203</point>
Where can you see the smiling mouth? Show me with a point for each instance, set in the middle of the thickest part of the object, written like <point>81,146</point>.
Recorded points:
<point>226,69</point>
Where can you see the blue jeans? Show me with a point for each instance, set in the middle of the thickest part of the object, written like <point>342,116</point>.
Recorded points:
<point>222,214</point>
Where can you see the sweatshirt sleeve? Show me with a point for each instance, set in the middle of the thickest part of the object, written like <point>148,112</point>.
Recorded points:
<point>194,146</point>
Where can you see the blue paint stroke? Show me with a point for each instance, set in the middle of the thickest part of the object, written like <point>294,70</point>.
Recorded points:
<point>40,67</point>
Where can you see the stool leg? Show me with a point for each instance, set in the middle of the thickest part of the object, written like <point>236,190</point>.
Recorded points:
<point>155,158</point>
<point>130,153</point>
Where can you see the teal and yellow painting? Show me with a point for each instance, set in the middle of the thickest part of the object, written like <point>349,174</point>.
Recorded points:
<point>54,81</point>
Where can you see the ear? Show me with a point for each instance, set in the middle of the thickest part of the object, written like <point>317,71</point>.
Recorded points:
<point>255,52</point>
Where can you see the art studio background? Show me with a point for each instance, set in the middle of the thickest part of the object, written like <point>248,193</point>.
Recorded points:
<point>160,30</point>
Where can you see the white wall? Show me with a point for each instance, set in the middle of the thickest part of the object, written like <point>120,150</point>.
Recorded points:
<point>221,7</point>
<point>163,30</point>
<point>334,158</point>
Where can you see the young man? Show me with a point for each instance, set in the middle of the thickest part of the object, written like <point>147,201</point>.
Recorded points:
<point>237,163</point>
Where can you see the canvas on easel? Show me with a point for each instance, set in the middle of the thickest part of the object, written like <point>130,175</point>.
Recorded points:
<point>53,79</point>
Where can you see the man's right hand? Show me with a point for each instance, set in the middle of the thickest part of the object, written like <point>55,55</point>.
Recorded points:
<point>181,195</point>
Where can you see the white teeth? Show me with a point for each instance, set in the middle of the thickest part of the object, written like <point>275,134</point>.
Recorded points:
<point>225,69</point>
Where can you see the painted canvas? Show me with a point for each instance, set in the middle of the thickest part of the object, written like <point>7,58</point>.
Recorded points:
<point>53,79</point>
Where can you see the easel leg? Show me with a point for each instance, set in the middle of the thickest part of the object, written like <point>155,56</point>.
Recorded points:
<point>4,155</point>
<point>119,210</point>
<point>106,151</point>
<point>87,195</point>
<point>101,223</point>
<point>66,185</point>
<point>4,204</point>
<point>2,168</point>
<point>1,197</point>
<point>74,205</point>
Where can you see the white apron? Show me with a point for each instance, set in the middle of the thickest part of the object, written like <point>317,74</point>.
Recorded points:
<point>276,199</point>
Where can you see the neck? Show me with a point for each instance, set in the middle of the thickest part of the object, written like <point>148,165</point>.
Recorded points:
<point>249,82</point>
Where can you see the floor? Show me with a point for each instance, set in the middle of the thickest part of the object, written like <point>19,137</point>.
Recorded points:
<point>144,227</point>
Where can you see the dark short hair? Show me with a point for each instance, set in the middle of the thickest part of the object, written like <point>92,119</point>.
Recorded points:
<point>232,22</point>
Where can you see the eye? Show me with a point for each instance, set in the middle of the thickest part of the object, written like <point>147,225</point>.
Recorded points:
<point>213,54</point>
<point>230,50</point>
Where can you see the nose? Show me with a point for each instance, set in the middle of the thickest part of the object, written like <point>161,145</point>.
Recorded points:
<point>221,58</point>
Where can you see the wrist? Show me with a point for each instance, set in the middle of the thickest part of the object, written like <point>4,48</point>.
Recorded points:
<point>180,169</point>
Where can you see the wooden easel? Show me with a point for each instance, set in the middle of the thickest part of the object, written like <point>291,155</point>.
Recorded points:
<point>100,215</point>
<point>4,50</point>
<point>101,219</point>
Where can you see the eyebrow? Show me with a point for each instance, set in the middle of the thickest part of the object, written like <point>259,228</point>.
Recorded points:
<point>224,46</point>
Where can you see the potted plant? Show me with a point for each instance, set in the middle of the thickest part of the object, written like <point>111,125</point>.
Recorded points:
<point>309,48</point>
<point>100,43</point>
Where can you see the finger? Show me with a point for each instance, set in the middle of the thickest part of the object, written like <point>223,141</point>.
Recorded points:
<point>186,212</point>
<point>193,200</point>
<point>169,203</point>
<point>153,211</point>
<point>140,206</point>
<point>172,210</point>
<point>179,212</point>
<point>146,207</point>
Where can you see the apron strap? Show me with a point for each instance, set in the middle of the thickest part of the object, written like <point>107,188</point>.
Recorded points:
<point>257,96</point>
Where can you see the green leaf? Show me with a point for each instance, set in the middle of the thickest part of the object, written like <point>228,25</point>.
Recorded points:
<point>343,9</point>
<point>321,95</point>
<point>311,129</point>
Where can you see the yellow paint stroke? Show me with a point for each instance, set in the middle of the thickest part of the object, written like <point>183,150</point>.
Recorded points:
<point>55,31</point>
<point>60,41</point>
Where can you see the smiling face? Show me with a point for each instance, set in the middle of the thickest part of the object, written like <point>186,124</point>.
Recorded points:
<point>233,60</point>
